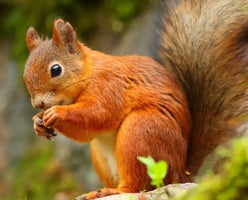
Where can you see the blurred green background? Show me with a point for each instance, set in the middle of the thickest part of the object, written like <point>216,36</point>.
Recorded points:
<point>32,167</point>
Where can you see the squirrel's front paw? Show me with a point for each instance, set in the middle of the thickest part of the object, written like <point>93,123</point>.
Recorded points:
<point>52,116</point>
<point>40,129</point>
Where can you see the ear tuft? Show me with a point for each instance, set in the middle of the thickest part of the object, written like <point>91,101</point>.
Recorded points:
<point>56,27</point>
<point>32,38</point>
<point>64,36</point>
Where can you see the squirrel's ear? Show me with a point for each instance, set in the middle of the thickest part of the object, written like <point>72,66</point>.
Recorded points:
<point>65,37</point>
<point>32,38</point>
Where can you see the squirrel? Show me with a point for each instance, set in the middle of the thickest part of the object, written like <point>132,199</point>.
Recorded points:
<point>177,106</point>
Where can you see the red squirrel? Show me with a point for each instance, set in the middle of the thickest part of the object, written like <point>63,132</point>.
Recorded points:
<point>177,109</point>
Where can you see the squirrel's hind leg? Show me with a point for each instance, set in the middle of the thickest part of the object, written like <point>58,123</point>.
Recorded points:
<point>149,132</point>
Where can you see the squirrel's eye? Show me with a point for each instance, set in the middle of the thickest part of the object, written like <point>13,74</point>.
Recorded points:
<point>56,70</point>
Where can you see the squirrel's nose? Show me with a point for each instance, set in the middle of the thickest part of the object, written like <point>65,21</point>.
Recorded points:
<point>38,103</point>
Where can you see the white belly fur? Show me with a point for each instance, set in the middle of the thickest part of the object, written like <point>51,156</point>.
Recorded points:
<point>103,146</point>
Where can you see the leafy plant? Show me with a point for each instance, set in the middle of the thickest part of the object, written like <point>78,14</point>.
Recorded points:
<point>155,170</point>
<point>231,181</point>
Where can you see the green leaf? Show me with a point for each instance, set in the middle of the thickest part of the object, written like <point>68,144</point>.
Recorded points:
<point>158,172</point>
<point>155,170</point>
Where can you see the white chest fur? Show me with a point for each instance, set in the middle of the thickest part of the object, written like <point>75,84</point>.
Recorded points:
<point>103,153</point>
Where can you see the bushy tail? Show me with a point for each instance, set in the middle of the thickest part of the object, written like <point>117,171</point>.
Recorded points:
<point>205,43</point>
